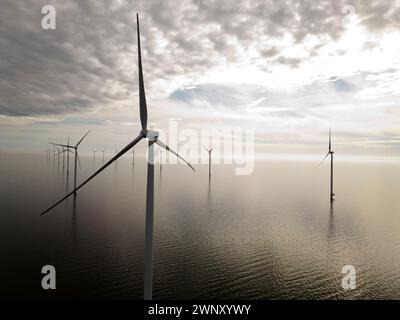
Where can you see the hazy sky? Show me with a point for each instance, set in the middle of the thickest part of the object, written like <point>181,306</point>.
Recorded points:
<point>287,69</point>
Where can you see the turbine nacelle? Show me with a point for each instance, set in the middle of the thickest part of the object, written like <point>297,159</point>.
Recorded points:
<point>150,134</point>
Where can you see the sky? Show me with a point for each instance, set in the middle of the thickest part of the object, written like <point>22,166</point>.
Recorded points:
<point>288,70</point>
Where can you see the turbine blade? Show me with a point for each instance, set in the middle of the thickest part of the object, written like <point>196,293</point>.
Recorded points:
<point>60,144</point>
<point>163,145</point>
<point>206,149</point>
<point>79,160</point>
<point>142,94</point>
<point>124,150</point>
<point>324,159</point>
<point>82,138</point>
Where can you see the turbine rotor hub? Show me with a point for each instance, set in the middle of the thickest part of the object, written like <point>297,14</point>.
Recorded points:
<point>151,135</point>
<point>143,133</point>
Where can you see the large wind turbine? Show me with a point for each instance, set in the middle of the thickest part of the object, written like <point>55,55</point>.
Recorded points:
<point>209,160</point>
<point>152,137</point>
<point>330,152</point>
<point>75,147</point>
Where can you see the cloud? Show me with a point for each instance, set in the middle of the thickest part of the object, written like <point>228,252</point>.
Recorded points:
<point>291,62</point>
<point>281,67</point>
<point>90,59</point>
<point>258,99</point>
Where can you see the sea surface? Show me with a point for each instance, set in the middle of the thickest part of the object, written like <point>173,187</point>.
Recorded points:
<point>269,235</point>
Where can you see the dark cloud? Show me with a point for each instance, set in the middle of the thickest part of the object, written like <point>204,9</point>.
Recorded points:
<point>268,52</point>
<point>89,61</point>
<point>291,62</point>
<point>378,15</point>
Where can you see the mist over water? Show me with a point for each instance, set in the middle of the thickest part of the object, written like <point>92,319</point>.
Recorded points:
<point>269,235</point>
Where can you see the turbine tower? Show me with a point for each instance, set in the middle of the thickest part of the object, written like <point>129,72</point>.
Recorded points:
<point>67,161</point>
<point>209,160</point>
<point>330,152</point>
<point>160,154</point>
<point>152,137</point>
<point>58,159</point>
<point>75,148</point>
<point>64,149</point>
<point>63,158</point>
<point>54,156</point>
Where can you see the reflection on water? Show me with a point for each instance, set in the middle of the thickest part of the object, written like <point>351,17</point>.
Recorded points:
<point>331,222</point>
<point>270,235</point>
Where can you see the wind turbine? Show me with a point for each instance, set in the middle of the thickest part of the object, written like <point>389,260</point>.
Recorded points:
<point>94,155</point>
<point>58,160</point>
<point>209,159</point>
<point>103,154</point>
<point>63,153</point>
<point>67,161</point>
<point>152,137</point>
<point>330,152</point>
<point>75,147</point>
<point>54,156</point>
<point>63,158</point>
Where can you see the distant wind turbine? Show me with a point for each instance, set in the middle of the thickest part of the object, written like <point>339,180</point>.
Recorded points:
<point>103,154</point>
<point>75,148</point>
<point>54,156</point>
<point>58,159</point>
<point>209,160</point>
<point>330,152</point>
<point>67,161</point>
<point>64,149</point>
<point>94,155</point>
<point>63,158</point>
<point>152,137</point>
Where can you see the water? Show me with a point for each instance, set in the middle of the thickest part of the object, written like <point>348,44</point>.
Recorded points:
<point>270,235</point>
